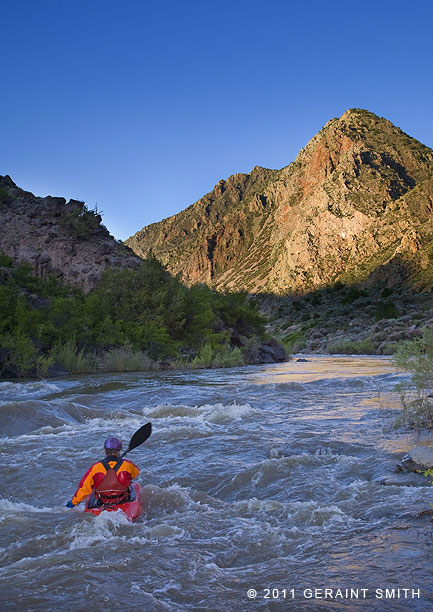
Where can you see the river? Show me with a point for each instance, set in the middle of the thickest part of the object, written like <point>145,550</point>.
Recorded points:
<point>260,477</point>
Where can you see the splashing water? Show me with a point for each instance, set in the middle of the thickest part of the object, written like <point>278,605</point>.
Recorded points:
<point>264,477</point>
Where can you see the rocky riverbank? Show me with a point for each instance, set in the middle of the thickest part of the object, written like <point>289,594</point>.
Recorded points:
<point>349,320</point>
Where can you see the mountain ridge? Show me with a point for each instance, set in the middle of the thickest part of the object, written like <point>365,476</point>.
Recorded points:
<point>354,204</point>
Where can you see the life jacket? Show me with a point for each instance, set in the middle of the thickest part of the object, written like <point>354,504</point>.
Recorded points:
<point>110,490</point>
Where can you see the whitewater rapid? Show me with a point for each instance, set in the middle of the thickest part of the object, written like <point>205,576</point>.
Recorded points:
<point>265,478</point>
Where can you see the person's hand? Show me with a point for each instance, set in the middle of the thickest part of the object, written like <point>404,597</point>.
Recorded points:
<point>70,504</point>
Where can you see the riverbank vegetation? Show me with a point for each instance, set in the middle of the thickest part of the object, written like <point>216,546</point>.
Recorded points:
<point>416,357</point>
<point>134,320</point>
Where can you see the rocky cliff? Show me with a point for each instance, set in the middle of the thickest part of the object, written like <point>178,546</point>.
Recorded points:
<point>55,237</point>
<point>355,206</point>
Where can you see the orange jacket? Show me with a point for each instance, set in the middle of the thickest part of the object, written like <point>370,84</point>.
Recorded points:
<point>95,474</point>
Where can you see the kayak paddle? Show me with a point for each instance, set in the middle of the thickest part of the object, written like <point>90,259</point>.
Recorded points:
<point>138,438</point>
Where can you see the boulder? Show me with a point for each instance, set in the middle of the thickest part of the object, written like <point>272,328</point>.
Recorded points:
<point>401,480</point>
<point>73,206</point>
<point>272,352</point>
<point>57,371</point>
<point>9,371</point>
<point>418,459</point>
<point>411,334</point>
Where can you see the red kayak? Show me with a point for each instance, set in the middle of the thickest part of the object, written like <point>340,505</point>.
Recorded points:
<point>131,507</point>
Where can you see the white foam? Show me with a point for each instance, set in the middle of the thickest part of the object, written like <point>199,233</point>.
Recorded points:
<point>224,414</point>
<point>170,586</point>
<point>33,563</point>
<point>211,413</point>
<point>165,531</point>
<point>260,505</point>
<point>174,498</point>
<point>99,528</point>
<point>14,390</point>
<point>312,515</point>
<point>91,425</point>
<point>8,508</point>
<point>205,415</point>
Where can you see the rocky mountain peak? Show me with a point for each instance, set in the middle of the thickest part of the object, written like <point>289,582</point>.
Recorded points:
<point>353,206</point>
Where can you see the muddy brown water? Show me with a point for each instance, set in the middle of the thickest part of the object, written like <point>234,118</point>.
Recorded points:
<point>264,478</point>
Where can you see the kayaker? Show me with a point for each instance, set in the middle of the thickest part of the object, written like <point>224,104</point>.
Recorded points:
<point>107,485</point>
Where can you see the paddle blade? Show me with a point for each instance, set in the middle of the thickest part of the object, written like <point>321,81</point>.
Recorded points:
<point>140,436</point>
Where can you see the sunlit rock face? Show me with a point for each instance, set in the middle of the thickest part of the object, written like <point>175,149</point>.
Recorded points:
<point>355,206</point>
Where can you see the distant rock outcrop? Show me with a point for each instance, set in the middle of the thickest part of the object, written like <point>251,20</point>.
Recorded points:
<point>55,237</point>
<point>355,206</point>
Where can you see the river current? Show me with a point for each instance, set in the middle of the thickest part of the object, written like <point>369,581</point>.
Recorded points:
<point>260,477</point>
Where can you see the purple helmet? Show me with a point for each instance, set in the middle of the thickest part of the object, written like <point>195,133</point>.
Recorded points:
<point>113,444</point>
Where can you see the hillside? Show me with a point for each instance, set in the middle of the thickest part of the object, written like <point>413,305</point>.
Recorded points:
<point>65,240</point>
<point>75,300</point>
<point>354,207</point>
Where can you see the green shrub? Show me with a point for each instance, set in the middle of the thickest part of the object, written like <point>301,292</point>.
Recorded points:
<point>205,356</point>
<point>416,357</point>
<point>352,295</point>
<point>386,292</point>
<point>416,412</point>
<point>348,347</point>
<point>390,348</point>
<point>295,342</point>
<point>145,310</point>
<point>81,222</point>
<point>5,261</point>
<point>73,360</point>
<point>250,349</point>
<point>23,353</point>
<point>210,358</point>
<point>24,277</point>
<point>386,310</point>
<point>228,358</point>
<point>124,359</point>
<point>5,198</point>
<point>43,365</point>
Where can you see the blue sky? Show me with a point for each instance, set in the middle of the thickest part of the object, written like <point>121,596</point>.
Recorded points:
<point>141,107</point>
